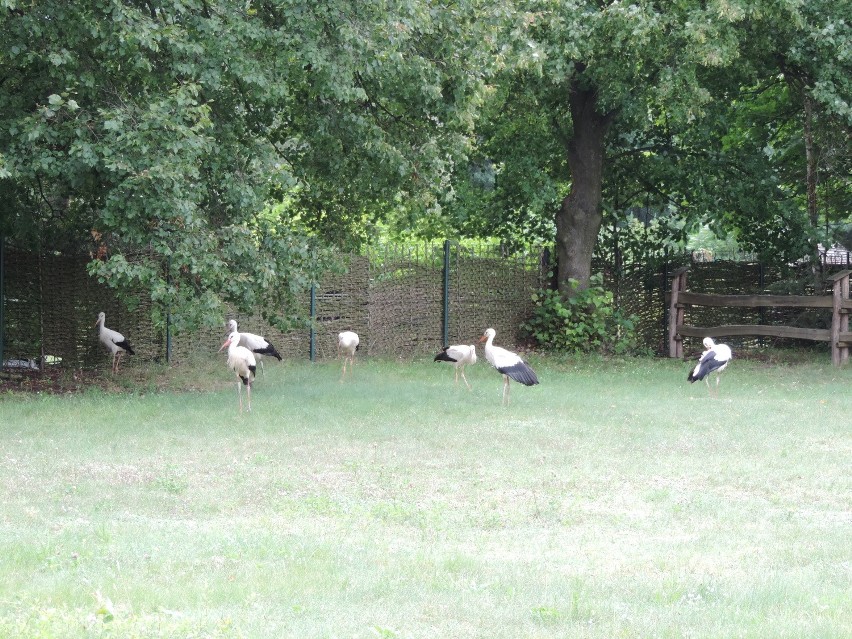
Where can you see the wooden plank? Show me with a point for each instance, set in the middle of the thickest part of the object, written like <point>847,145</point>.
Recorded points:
<point>813,334</point>
<point>680,310</point>
<point>798,301</point>
<point>676,312</point>
<point>837,301</point>
<point>846,339</point>
<point>844,321</point>
<point>673,318</point>
<point>678,271</point>
<point>838,276</point>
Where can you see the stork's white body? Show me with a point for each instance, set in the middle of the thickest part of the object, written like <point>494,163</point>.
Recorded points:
<point>508,363</point>
<point>715,358</point>
<point>257,344</point>
<point>113,340</point>
<point>460,355</point>
<point>242,361</point>
<point>347,344</point>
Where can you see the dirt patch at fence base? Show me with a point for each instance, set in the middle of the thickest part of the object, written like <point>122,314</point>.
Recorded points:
<point>134,378</point>
<point>52,380</point>
<point>49,381</point>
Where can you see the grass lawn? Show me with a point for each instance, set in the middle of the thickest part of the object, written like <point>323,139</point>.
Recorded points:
<point>613,500</point>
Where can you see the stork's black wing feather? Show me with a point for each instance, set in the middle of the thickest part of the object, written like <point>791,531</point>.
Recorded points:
<point>443,356</point>
<point>520,372</point>
<point>126,346</point>
<point>706,365</point>
<point>269,349</point>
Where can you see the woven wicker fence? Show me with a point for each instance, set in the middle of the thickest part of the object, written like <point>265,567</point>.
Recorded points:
<point>392,297</point>
<point>639,289</point>
<point>51,304</point>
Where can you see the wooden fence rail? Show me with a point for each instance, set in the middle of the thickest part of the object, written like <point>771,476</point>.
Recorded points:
<point>838,336</point>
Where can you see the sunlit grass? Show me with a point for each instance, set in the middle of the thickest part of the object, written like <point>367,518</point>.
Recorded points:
<point>612,500</point>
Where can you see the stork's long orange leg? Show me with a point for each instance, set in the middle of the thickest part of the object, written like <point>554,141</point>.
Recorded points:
<point>465,379</point>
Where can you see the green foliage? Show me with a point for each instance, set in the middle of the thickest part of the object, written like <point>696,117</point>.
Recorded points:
<point>382,141</point>
<point>707,126</point>
<point>170,128</point>
<point>705,238</point>
<point>586,320</point>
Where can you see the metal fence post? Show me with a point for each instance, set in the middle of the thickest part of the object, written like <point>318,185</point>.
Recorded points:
<point>168,337</point>
<point>313,344</point>
<point>2,295</point>
<point>665,289</point>
<point>169,314</point>
<point>761,280</point>
<point>445,328</point>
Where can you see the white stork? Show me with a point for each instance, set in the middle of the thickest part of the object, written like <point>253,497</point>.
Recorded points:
<point>460,355</point>
<point>347,343</point>
<point>113,340</point>
<point>508,363</point>
<point>255,343</point>
<point>714,358</point>
<point>240,360</point>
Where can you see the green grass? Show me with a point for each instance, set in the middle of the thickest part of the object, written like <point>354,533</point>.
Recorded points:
<point>613,500</point>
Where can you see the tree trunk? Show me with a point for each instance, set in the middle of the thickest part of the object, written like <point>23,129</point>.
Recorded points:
<point>811,165</point>
<point>811,184</point>
<point>799,81</point>
<point>579,217</point>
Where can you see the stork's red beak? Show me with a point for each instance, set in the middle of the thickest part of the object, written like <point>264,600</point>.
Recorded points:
<point>227,343</point>
<point>483,338</point>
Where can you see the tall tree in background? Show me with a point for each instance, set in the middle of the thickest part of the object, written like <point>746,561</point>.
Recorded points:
<point>813,56</point>
<point>626,98</point>
<point>170,126</point>
<point>604,71</point>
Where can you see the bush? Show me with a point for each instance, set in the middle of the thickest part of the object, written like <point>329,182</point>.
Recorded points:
<point>586,321</point>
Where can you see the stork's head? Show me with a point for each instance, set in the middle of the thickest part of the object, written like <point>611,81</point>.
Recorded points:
<point>233,338</point>
<point>232,326</point>
<point>709,343</point>
<point>101,319</point>
<point>490,333</point>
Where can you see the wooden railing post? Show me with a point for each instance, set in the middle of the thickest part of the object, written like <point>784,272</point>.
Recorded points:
<point>839,317</point>
<point>844,319</point>
<point>676,312</point>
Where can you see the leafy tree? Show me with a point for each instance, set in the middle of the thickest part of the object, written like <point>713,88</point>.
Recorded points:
<point>610,105</point>
<point>159,132</point>
<point>812,55</point>
<point>406,79</point>
<point>603,72</point>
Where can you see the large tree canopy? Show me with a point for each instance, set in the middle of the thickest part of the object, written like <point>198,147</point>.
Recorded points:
<point>201,148</point>
<point>170,127</point>
<point>608,105</point>
<point>607,73</point>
